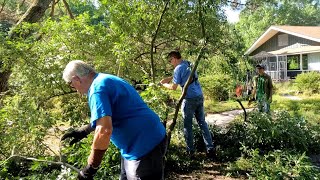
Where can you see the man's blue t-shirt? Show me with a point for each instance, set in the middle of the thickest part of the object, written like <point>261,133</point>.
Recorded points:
<point>180,76</point>
<point>136,128</point>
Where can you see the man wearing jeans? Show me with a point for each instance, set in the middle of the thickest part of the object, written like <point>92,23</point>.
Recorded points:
<point>262,89</point>
<point>192,104</point>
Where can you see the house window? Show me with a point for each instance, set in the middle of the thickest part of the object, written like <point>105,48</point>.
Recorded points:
<point>293,62</point>
<point>283,40</point>
<point>305,62</point>
<point>273,66</point>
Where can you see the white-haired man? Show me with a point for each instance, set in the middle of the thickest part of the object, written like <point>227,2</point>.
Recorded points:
<point>118,114</point>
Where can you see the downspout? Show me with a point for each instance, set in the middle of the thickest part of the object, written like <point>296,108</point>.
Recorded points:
<point>278,73</point>
<point>301,69</point>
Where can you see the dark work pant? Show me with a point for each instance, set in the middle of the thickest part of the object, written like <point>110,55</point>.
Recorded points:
<point>148,167</point>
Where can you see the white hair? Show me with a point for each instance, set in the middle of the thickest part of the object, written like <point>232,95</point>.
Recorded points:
<point>76,68</point>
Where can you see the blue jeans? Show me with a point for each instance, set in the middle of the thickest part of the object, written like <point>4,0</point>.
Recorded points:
<point>264,106</point>
<point>194,107</point>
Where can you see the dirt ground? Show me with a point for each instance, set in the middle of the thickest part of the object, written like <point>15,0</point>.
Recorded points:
<point>210,171</point>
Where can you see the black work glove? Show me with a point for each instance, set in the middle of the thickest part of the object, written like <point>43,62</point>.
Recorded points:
<point>87,173</point>
<point>78,134</point>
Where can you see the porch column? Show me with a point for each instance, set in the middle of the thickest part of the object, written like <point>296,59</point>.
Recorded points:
<point>300,62</point>
<point>278,75</point>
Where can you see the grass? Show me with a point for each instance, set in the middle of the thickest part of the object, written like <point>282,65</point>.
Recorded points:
<point>307,107</point>
<point>216,107</point>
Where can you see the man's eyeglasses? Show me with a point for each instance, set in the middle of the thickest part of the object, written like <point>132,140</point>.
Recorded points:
<point>70,84</point>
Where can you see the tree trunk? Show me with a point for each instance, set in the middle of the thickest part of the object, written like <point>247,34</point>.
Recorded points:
<point>4,77</point>
<point>36,11</point>
<point>33,14</point>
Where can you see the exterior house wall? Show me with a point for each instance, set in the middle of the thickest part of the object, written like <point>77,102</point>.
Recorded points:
<point>272,43</point>
<point>314,61</point>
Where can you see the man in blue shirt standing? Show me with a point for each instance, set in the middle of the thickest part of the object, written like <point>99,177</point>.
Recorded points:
<point>192,104</point>
<point>119,115</point>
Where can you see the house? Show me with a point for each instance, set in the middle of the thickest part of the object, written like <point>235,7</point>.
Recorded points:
<point>287,51</point>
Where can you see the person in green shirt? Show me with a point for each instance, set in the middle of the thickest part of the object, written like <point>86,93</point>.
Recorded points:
<point>262,89</point>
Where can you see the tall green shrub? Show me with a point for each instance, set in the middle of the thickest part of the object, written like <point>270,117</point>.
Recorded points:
<point>308,82</point>
<point>217,86</point>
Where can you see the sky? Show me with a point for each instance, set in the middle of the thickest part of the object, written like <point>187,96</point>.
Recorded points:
<point>233,15</point>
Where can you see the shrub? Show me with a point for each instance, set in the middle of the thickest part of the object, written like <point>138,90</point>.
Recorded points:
<point>75,155</point>
<point>159,101</point>
<point>217,86</point>
<point>282,131</point>
<point>275,165</point>
<point>307,82</point>
<point>78,154</point>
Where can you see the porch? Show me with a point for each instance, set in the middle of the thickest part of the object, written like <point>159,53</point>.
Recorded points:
<point>287,63</point>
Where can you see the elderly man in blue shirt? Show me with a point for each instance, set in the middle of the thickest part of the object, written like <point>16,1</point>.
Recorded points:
<point>119,115</point>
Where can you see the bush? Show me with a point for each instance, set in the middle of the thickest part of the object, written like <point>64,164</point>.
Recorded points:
<point>287,87</point>
<point>275,165</point>
<point>307,82</point>
<point>79,152</point>
<point>75,155</point>
<point>217,86</point>
<point>261,131</point>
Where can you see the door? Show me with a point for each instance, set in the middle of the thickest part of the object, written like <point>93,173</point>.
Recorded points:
<point>282,67</point>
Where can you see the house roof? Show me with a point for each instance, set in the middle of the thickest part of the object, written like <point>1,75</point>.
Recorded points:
<point>303,49</point>
<point>307,32</point>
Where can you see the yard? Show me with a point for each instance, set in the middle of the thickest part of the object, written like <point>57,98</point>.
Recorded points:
<point>289,152</point>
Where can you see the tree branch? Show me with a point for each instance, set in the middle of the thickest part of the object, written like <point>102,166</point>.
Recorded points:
<point>33,14</point>
<point>154,39</point>
<point>201,21</point>
<point>68,9</point>
<point>136,59</point>
<point>40,160</point>
<point>186,40</point>
<point>52,8</point>
<point>165,42</point>
<point>3,5</point>
<point>53,96</point>
<point>12,156</point>
<point>21,4</point>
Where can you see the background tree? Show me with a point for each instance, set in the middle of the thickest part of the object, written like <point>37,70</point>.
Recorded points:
<point>254,20</point>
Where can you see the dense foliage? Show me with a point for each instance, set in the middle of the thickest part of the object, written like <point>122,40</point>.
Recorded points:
<point>306,82</point>
<point>275,165</point>
<point>270,146</point>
